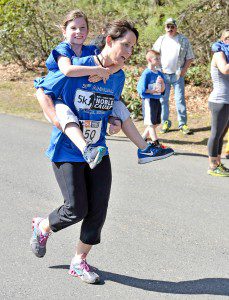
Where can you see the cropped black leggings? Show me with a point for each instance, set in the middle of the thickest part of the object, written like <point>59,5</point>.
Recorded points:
<point>86,194</point>
<point>219,127</point>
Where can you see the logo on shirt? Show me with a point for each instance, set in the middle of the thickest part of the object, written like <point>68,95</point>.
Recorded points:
<point>89,100</point>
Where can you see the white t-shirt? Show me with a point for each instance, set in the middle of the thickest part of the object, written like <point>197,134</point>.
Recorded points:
<point>170,49</point>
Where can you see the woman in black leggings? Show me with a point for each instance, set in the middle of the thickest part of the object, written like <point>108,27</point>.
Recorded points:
<point>219,107</point>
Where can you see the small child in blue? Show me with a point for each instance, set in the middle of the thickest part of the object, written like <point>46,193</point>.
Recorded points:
<point>222,45</point>
<point>150,87</point>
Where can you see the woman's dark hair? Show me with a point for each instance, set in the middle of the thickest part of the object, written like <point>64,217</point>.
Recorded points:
<point>115,29</point>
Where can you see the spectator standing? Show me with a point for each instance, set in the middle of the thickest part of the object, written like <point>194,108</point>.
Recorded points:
<point>150,88</point>
<point>176,57</point>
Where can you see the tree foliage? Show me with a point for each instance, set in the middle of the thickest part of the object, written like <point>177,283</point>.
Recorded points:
<point>28,30</point>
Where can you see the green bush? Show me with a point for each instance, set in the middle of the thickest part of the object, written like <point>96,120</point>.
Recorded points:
<point>28,30</point>
<point>199,75</point>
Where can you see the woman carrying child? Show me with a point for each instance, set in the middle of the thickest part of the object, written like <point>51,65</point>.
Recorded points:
<point>86,191</point>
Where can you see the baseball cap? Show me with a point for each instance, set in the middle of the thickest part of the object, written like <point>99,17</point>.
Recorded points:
<point>171,21</point>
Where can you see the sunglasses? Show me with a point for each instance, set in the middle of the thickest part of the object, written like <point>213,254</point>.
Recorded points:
<point>170,26</point>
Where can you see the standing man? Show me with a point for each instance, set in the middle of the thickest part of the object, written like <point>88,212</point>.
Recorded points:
<point>176,57</point>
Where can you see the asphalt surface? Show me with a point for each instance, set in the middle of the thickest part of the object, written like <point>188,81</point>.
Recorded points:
<point>165,237</point>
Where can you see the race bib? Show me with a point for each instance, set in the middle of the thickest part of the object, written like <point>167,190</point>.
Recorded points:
<point>91,130</point>
<point>96,101</point>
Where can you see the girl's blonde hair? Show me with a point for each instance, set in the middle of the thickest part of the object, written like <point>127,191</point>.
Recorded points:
<point>72,15</point>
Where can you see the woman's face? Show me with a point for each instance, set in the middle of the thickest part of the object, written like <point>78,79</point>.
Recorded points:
<point>122,48</point>
<point>76,31</point>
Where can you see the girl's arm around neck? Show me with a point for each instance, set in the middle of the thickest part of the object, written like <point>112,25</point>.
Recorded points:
<point>69,70</point>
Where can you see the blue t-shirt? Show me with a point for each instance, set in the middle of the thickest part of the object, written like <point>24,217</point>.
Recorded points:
<point>148,81</point>
<point>92,103</point>
<point>65,49</point>
<point>220,46</point>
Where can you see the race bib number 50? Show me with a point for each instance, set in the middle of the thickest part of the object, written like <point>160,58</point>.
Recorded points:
<point>91,130</point>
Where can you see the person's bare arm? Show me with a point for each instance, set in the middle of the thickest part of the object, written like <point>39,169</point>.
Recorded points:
<point>48,107</point>
<point>69,70</point>
<point>219,60</point>
<point>113,69</point>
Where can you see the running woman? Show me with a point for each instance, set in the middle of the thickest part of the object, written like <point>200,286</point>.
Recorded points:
<point>86,191</point>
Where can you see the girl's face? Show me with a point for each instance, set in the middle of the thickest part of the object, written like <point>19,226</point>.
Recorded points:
<point>122,48</point>
<point>76,31</point>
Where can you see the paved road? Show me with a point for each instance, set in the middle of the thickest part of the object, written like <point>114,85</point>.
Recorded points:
<point>166,234</point>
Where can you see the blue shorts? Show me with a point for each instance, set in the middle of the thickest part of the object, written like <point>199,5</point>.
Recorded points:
<point>151,109</point>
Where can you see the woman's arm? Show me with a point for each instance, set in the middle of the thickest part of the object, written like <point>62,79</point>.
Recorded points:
<point>220,62</point>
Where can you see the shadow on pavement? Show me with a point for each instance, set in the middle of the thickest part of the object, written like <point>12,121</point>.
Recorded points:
<point>190,154</point>
<point>208,286</point>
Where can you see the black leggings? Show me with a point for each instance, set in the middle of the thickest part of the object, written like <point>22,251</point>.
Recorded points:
<point>86,194</point>
<point>219,127</point>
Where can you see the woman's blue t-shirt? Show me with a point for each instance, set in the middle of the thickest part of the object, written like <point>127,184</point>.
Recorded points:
<point>92,103</point>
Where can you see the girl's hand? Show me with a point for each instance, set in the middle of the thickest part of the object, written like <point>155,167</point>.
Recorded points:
<point>94,78</point>
<point>104,73</point>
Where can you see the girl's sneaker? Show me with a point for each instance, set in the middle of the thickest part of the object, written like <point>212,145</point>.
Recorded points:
<point>83,271</point>
<point>38,240</point>
<point>94,155</point>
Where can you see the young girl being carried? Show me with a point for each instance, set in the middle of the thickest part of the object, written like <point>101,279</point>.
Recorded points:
<point>75,31</point>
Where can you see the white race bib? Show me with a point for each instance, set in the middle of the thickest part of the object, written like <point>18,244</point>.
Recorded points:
<point>91,130</point>
<point>83,99</point>
<point>96,101</point>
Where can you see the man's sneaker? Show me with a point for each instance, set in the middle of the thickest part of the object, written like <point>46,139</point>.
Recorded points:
<point>83,271</point>
<point>152,153</point>
<point>220,170</point>
<point>184,129</point>
<point>165,127</point>
<point>93,155</point>
<point>38,240</point>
